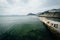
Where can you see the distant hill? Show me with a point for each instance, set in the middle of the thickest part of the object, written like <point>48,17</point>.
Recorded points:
<point>51,13</point>
<point>54,10</point>
<point>31,14</point>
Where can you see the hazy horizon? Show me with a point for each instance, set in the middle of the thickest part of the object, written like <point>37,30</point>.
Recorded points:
<point>23,7</point>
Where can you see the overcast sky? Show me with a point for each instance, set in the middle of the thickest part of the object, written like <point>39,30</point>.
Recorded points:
<point>23,7</point>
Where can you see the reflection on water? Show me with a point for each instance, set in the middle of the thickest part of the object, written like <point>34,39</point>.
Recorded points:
<point>54,19</point>
<point>23,28</point>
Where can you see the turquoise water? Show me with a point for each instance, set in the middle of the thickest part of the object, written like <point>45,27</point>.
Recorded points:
<point>23,28</point>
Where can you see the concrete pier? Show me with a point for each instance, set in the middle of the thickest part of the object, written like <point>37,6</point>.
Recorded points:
<point>53,26</point>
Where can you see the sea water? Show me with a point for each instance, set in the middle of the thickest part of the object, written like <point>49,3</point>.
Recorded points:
<point>23,28</point>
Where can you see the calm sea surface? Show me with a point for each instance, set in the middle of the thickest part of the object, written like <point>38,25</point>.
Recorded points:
<point>23,28</point>
<point>54,19</point>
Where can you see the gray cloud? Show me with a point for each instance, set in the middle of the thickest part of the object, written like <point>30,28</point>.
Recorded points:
<point>25,1</point>
<point>26,6</point>
<point>50,3</point>
<point>10,1</point>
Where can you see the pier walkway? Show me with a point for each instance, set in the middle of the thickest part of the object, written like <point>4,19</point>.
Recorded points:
<point>53,26</point>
